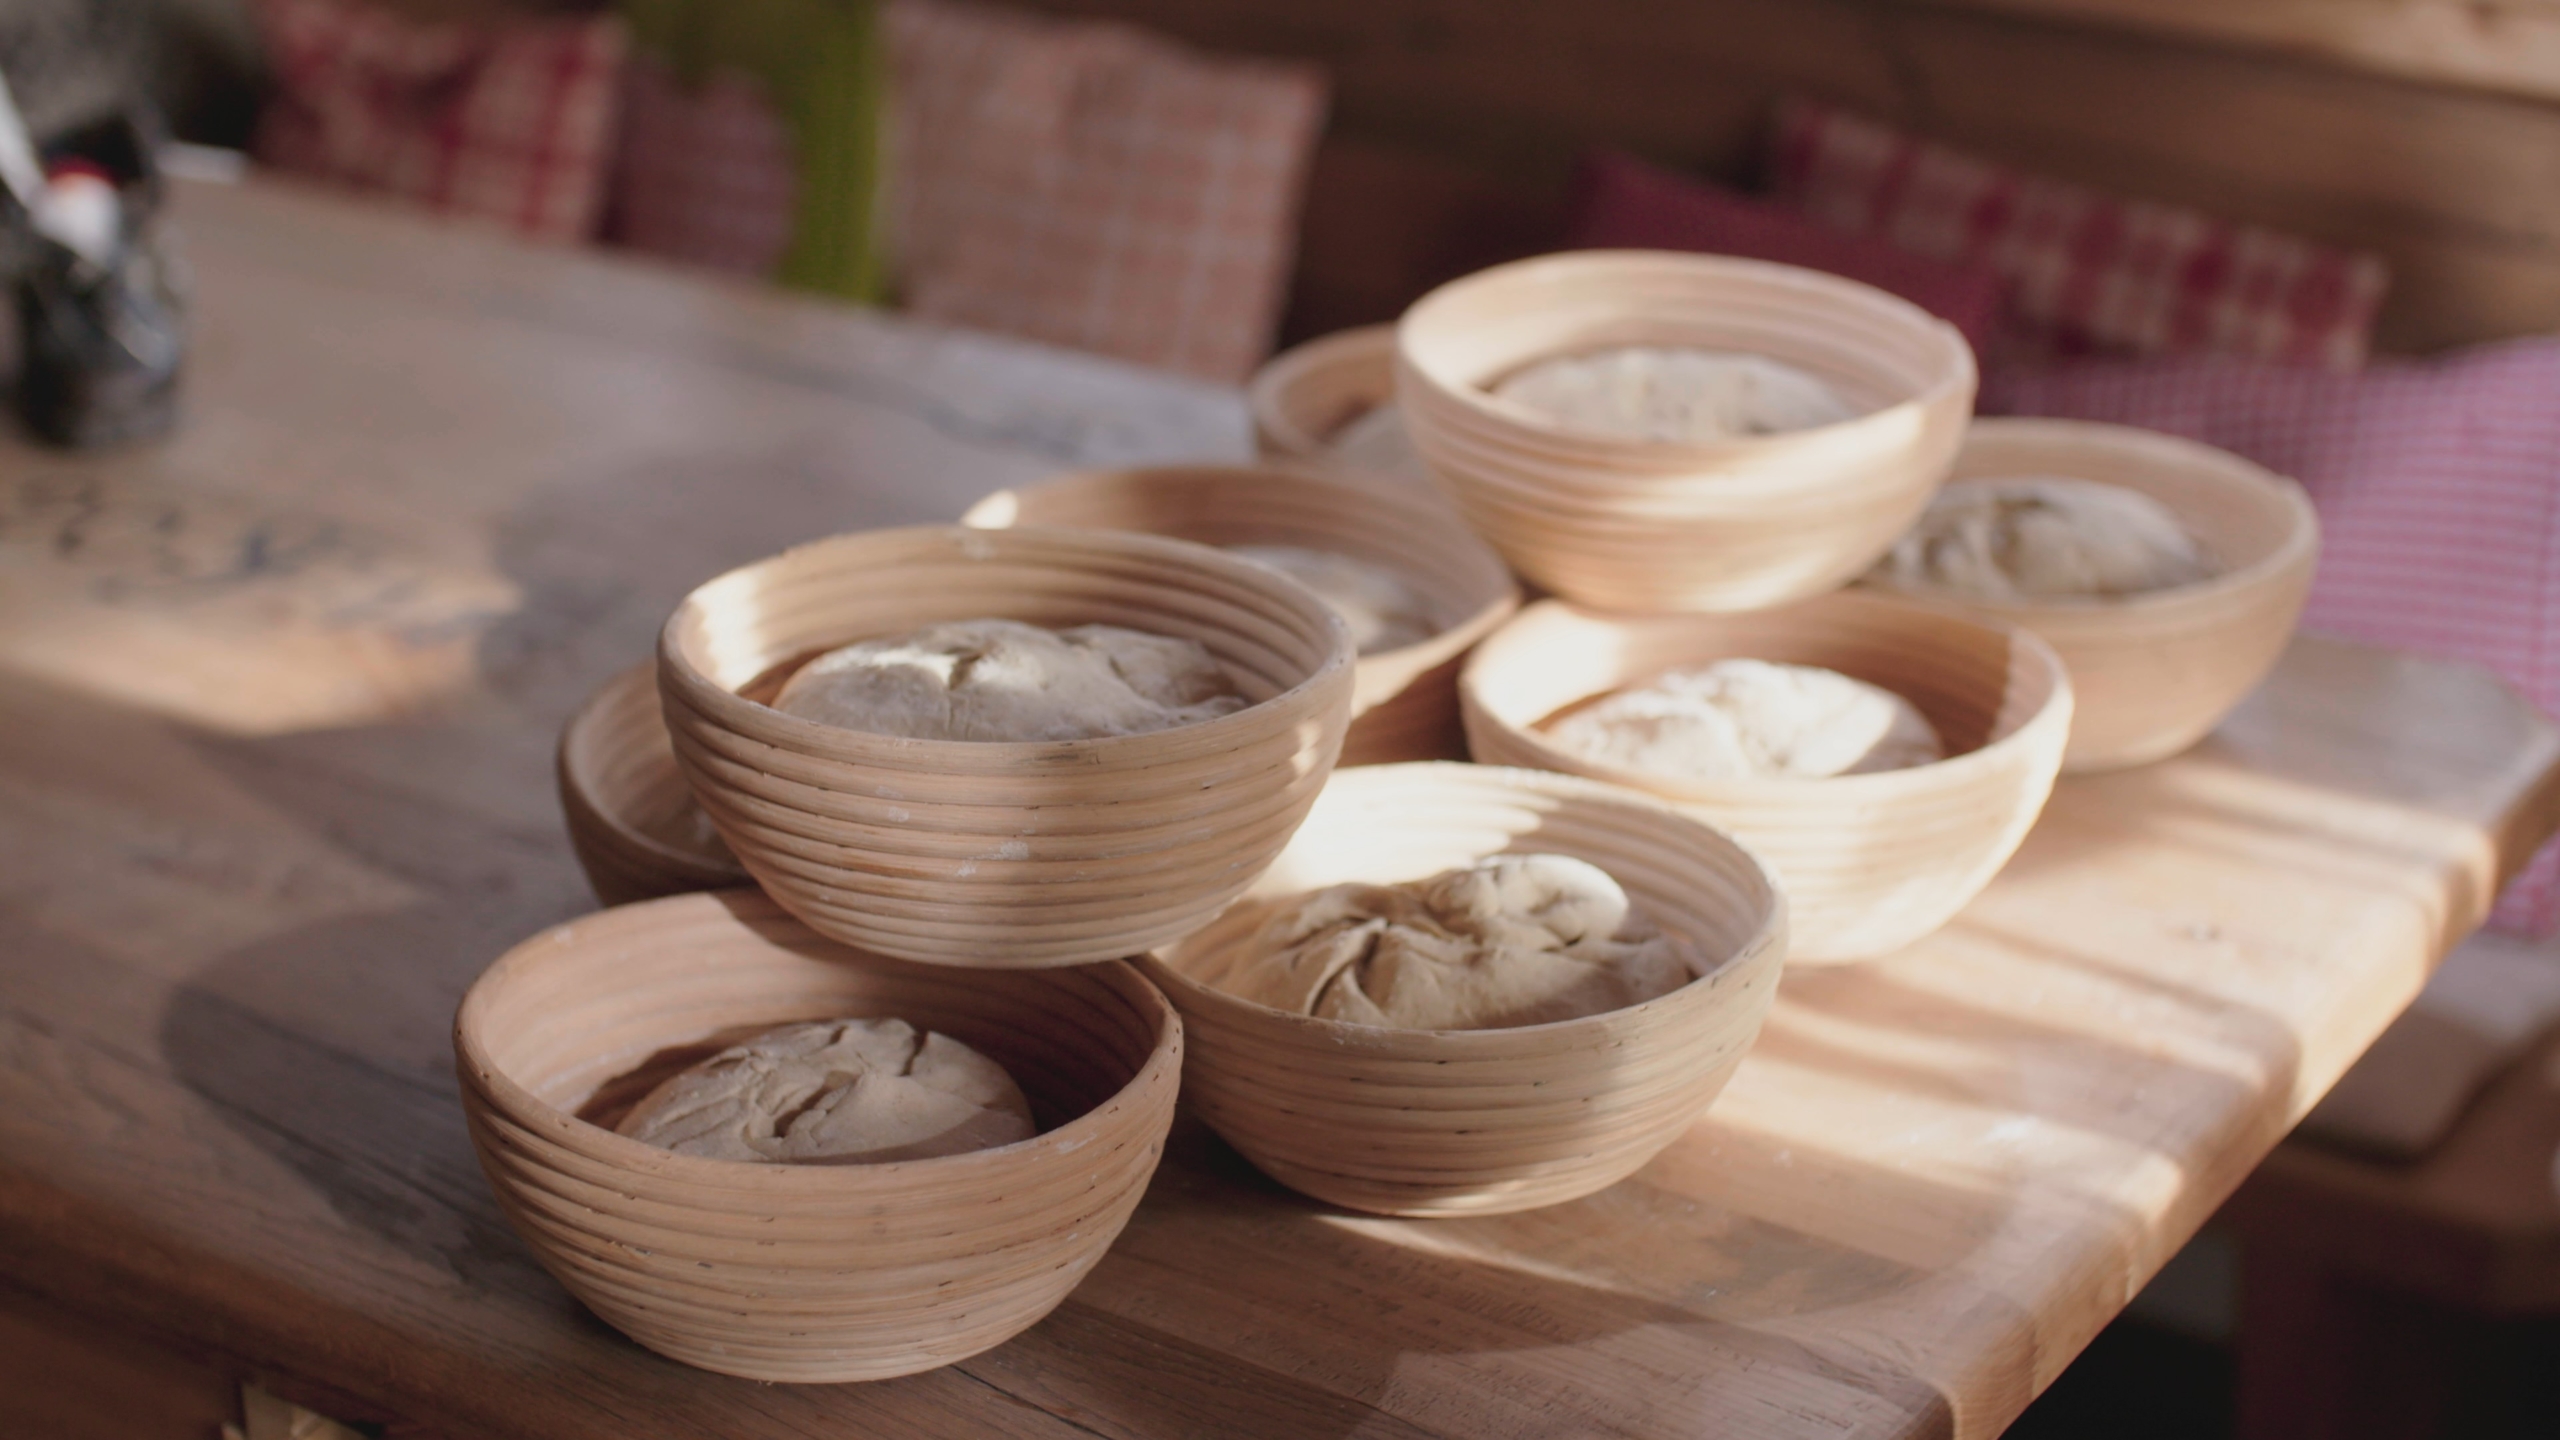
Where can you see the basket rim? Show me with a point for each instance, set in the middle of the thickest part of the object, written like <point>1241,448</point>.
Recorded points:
<point>1502,587</point>
<point>503,1093</point>
<point>1266,393</point>
<point>1767,944</point>
<point>1952,772</point>
<point>581,790</point>
<point>2300,546</point>
<point>724,705</point>
<point>1960,373</point>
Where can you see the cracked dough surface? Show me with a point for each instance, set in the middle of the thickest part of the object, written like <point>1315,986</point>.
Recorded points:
<point>1750,719</point>
<point>2046,537</point>
<point>1382,610</point>
<point>1511,940</point>
<point>1675,395</point>
<point>835,1092</point>
<point>1005,680</point>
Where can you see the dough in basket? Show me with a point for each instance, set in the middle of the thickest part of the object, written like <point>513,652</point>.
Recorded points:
<point>1380,607</point>
<point>1377,441</point>
<point>1745,719</point>
<point>835,1092</point>
<point>1673,395</point>
<point>1005,680</point>
<point>2043,537</point>
<point>1512,940</point>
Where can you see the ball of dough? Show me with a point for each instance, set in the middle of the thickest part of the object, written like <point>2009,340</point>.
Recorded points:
<point>1513,940</point>
<point>835,1092</point>
<point>1004,680</point>
<point>1377,441</point>
<point>1675,395</point>
<point>1750,719</point>
<point>1382,610</point>
<point>2046,537</point>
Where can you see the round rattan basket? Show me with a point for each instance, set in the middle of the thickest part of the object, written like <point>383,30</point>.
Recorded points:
<point>1303,396</point>
<point>1453,1122</point>
<point>1404,701</point>
<point>1737,524</point>
<point>2152,674</point>
<point>1003,855</point>
<point>632,821</point>
<point>802,1272</point>
<point>1870,863</point>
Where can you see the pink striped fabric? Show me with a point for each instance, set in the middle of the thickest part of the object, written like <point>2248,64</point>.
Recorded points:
<point>2438,485</point>
<point>702,174</point>
<point>2088,272</point>
<point>1095,187</point>
<point>504,122</point>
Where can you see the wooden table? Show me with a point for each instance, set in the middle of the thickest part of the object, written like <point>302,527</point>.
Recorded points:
<point>276,708</point>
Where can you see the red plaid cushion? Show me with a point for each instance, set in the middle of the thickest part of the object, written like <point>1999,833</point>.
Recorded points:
<point>1624,203</point>
<point>1088,185</point>
<point>2088,272</point>
<point>509,122</point>
<point>2438,485</point>
<point>702,175</point>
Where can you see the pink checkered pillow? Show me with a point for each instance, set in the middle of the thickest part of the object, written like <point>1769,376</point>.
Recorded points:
<point>702,174</point>
<point>506,122</point>
<point>2088,272</point>
<point>1091,186</point>
<point>1623,203</point>
<point>2438,486</point>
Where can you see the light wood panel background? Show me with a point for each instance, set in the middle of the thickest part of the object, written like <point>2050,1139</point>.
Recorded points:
<point>2428,131</point>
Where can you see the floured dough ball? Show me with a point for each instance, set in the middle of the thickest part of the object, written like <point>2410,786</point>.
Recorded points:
<point>1513,940</point>
<point>1377,441</point>
<point>1749,719</point>
<point>1004,680</point>
<point>1381,609</point>
<point>2043,537</point>
<point>835,1092</point>
<point>1674,395</point>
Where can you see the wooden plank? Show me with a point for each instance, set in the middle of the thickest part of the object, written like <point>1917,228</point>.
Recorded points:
<point>2511,46</point>
<point>232,931</point>
<point>2458,189</point>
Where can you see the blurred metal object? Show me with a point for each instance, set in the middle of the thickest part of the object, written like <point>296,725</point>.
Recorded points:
<point>100,296</point>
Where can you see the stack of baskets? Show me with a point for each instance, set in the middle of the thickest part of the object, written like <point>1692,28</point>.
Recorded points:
<point>893,876</point>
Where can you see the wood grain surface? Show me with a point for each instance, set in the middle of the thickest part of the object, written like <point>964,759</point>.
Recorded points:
<point>276,711</point>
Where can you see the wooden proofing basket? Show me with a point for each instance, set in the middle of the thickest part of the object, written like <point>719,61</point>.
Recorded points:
<point>1451,1122</point>
<point>1404,702</point>
<point>1735,524</point>
<point>1001,855</point>
<point>1870,863</point>
<point>2151,674</point>
<point>632,821</point>
<point>1303,396</point>
<point>802,1272</point>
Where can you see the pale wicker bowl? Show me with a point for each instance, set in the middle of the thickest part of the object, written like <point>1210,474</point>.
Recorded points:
<point>995,855</point>
<point>1304,396</point>
<point>632,821</point>
<point>2152,674</point>
<point>1404,702</point>
<point>1870,863</point>
<point>1455,1122</point>
<point>1731,525</point>
<point>802,1272</point>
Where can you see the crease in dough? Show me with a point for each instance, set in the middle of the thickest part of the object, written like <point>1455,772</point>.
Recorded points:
<point>1673,394</point>
<point>1003,680</point>
<point>835,1092</point>
<point>1379,605</point>
<point>2046,537</point>
<point>1750,719</point>
<point>1510,940</point>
